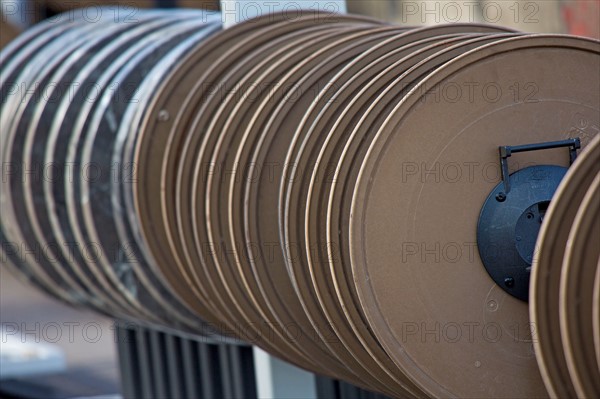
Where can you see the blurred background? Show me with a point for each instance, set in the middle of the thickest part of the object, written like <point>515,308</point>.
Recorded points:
<point>579,17</point>
<point>86,361</point>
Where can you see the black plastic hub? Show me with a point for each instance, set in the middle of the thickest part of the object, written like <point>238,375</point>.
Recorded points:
<point>508,229</point>
<point>528,228</point>
<point>511,217</point>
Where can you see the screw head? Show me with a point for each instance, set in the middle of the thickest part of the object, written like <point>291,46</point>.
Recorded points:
<point>164,115</point>
<point>500,197</point>
<point>509,282</point>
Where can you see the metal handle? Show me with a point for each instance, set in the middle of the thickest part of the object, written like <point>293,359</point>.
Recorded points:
<point>506,151</point>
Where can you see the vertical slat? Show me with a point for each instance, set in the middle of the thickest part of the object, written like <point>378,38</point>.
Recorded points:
<point>157,349</point>
<point>248,371</point>
<point>235,365</point>
<point>127,361</point>
<point>326,388</point>
<point>191,368</point>
<point>173,365</point>
<point>348,391</point>
<point>143,363</point>
<point>225,368</point>
<point>210,387</point>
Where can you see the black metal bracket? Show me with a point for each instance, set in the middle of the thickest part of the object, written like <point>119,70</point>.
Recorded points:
<point>509,224</point>
<point>506,151</point>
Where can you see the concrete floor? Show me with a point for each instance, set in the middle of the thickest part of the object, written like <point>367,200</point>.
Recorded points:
<point>87,340</point>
